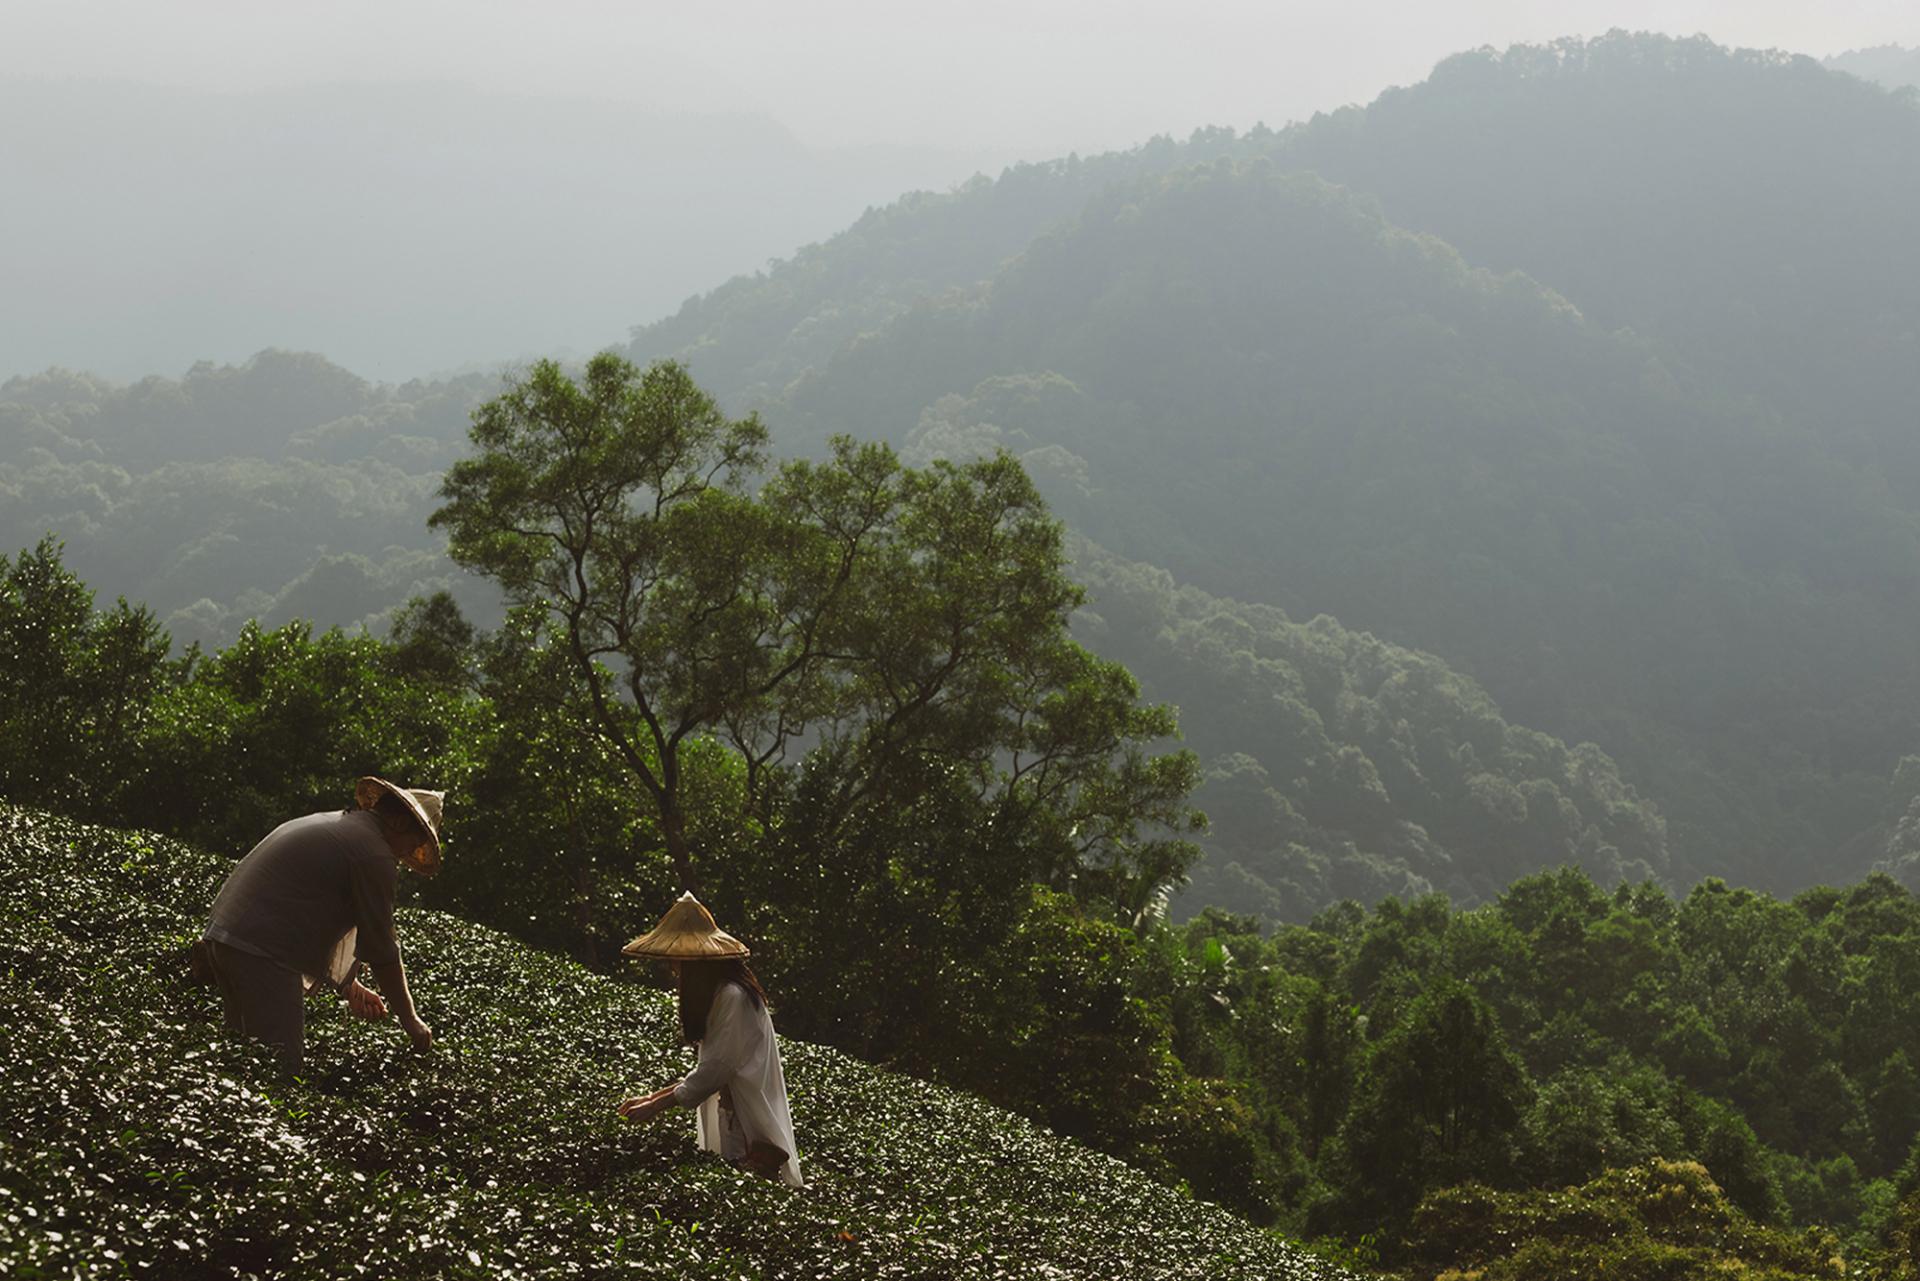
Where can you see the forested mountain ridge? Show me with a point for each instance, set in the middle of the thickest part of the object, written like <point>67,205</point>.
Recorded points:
<point>285,487</point>
<point>1353,779</point>
<point>1251,378</point>
<point>278,404</point>
<point>1751,210</point>
<point>1342,767</point>
<point>1742,218</point>
<point>754,334</point>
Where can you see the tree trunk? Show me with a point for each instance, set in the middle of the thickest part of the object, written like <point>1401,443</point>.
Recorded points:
<point>674,824</point>
<point>584,949</point>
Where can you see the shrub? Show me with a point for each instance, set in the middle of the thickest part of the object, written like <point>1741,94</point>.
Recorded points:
<point>1661,1221</point>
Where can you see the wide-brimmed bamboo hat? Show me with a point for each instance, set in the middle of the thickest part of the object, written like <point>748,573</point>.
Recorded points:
<point>425,805</point>
<point>687,933</point>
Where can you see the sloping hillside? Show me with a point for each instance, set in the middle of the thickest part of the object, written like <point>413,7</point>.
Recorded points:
<point>1339,766</point>
<point>1252,379</point>
<point>753,335</point>
<point>1752,209</point>
<point>134,1141</point>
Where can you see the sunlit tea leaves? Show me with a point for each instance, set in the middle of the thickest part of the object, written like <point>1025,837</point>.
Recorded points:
<point>136,1141</point>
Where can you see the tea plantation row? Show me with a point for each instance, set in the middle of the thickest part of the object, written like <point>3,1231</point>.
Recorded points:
<point>134,1141</point>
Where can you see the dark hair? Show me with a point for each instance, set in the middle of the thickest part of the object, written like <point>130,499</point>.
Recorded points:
<point>698,982</point>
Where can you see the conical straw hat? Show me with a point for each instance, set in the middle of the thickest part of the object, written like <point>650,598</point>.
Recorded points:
<point>426,806</point>
<point>687,933</point>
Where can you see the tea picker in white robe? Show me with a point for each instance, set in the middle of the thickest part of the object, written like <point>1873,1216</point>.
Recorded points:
<point>738,1091</point>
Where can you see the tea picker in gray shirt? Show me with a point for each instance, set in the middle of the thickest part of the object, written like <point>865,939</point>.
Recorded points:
<point>310,903</point>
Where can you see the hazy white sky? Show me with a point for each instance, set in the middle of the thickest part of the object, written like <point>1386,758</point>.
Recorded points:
<point>1036,76</point>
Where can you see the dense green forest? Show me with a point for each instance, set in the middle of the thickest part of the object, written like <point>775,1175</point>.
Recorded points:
<point>1341,767</point>
<point>1389,1080</point>
<point>1634,495</point>
<point>279,489</point>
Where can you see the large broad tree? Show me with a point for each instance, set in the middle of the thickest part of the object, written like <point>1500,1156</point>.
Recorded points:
<point>618,502</point>
<point>901,624</point>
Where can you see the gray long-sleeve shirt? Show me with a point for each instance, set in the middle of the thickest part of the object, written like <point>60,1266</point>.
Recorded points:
<point>315,893</point>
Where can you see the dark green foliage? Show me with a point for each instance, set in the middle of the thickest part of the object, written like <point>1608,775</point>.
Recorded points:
<point>433,641</point>
<point>279,489</point>
<point>1341,766</point>
<point>894,884</point>
<point>1658,1221</point>
<point>1563,1031</point>
<point>275,724</point>
<point>755,334</point>
<point>135,1140</point>
<point>76,686</point>
<point>904,627</point>
<point>1440,1103</point>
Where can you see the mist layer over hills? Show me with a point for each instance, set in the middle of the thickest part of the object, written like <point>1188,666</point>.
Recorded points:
<point>1575,383</point>
<point>402,229</point>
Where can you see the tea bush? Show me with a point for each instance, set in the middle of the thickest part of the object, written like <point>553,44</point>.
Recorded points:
<point>136,1141</point>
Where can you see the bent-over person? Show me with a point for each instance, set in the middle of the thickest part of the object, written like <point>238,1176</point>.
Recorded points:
<point>738,1092</point>
<point>313,901</point>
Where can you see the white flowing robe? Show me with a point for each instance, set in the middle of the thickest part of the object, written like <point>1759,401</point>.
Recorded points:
<point>739,1054</point>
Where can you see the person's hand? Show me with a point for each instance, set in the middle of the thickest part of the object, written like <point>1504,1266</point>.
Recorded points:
<point>644,1107</point>
<point>365,1002</point>
<point>421,1034</point>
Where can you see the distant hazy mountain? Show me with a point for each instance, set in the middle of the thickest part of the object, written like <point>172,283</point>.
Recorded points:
<point>1889,65</point>
<point>753,335</point>
<point>400,228</point>
<point>1678,540</point>
<point>1593,377</point>
<point>1252,379</point>
<point>281,488</point>
<point>1753,211</point>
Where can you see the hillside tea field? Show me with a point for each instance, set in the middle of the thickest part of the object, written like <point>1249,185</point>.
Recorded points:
<point>135,1142</point>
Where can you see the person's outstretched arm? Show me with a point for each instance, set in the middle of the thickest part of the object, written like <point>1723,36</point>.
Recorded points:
<point>393,985</point>
<point>728,1042</point>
